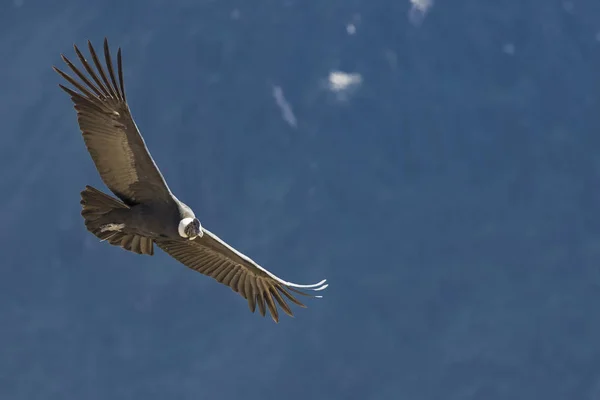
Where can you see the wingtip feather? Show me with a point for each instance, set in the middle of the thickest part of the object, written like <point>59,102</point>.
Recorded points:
<point>314,286</point>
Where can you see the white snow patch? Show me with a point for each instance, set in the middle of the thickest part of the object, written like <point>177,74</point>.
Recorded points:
<point>343,84</point>
<point>418,9</point>
<point>339,81</point>
<point>286,109</point>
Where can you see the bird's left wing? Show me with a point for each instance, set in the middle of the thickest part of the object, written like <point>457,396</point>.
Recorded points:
<point>110,134</point>
<point>211,256</point>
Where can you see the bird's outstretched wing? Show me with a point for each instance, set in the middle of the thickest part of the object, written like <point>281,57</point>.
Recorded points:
<point>211,256</point>
<point>110,134</point>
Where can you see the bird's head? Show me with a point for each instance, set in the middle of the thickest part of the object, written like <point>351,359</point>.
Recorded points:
<point>190,228</point>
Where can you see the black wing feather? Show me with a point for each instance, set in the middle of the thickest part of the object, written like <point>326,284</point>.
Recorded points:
<point>109,131</point>
<point>211,256</point>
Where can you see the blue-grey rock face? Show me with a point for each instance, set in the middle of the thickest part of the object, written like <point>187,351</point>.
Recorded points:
<point>438,163</point>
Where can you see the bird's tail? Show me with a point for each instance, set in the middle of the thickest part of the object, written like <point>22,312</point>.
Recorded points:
<point>95,207</point>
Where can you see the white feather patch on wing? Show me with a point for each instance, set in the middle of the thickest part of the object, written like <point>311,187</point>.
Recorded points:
<point>112,227</point>
<point>316,286</point>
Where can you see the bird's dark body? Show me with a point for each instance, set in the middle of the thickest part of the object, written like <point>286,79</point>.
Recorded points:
<point>142,220</point>
<point>145,212</point>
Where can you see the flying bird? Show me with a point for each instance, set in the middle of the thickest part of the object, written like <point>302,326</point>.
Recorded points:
<point>145,211</point>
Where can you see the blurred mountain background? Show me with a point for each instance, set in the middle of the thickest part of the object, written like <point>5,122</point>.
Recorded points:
<point>438,163</point>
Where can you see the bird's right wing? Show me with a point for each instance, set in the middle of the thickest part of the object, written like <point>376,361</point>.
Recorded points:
<point>110,134</point>
<point>211,256</point>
